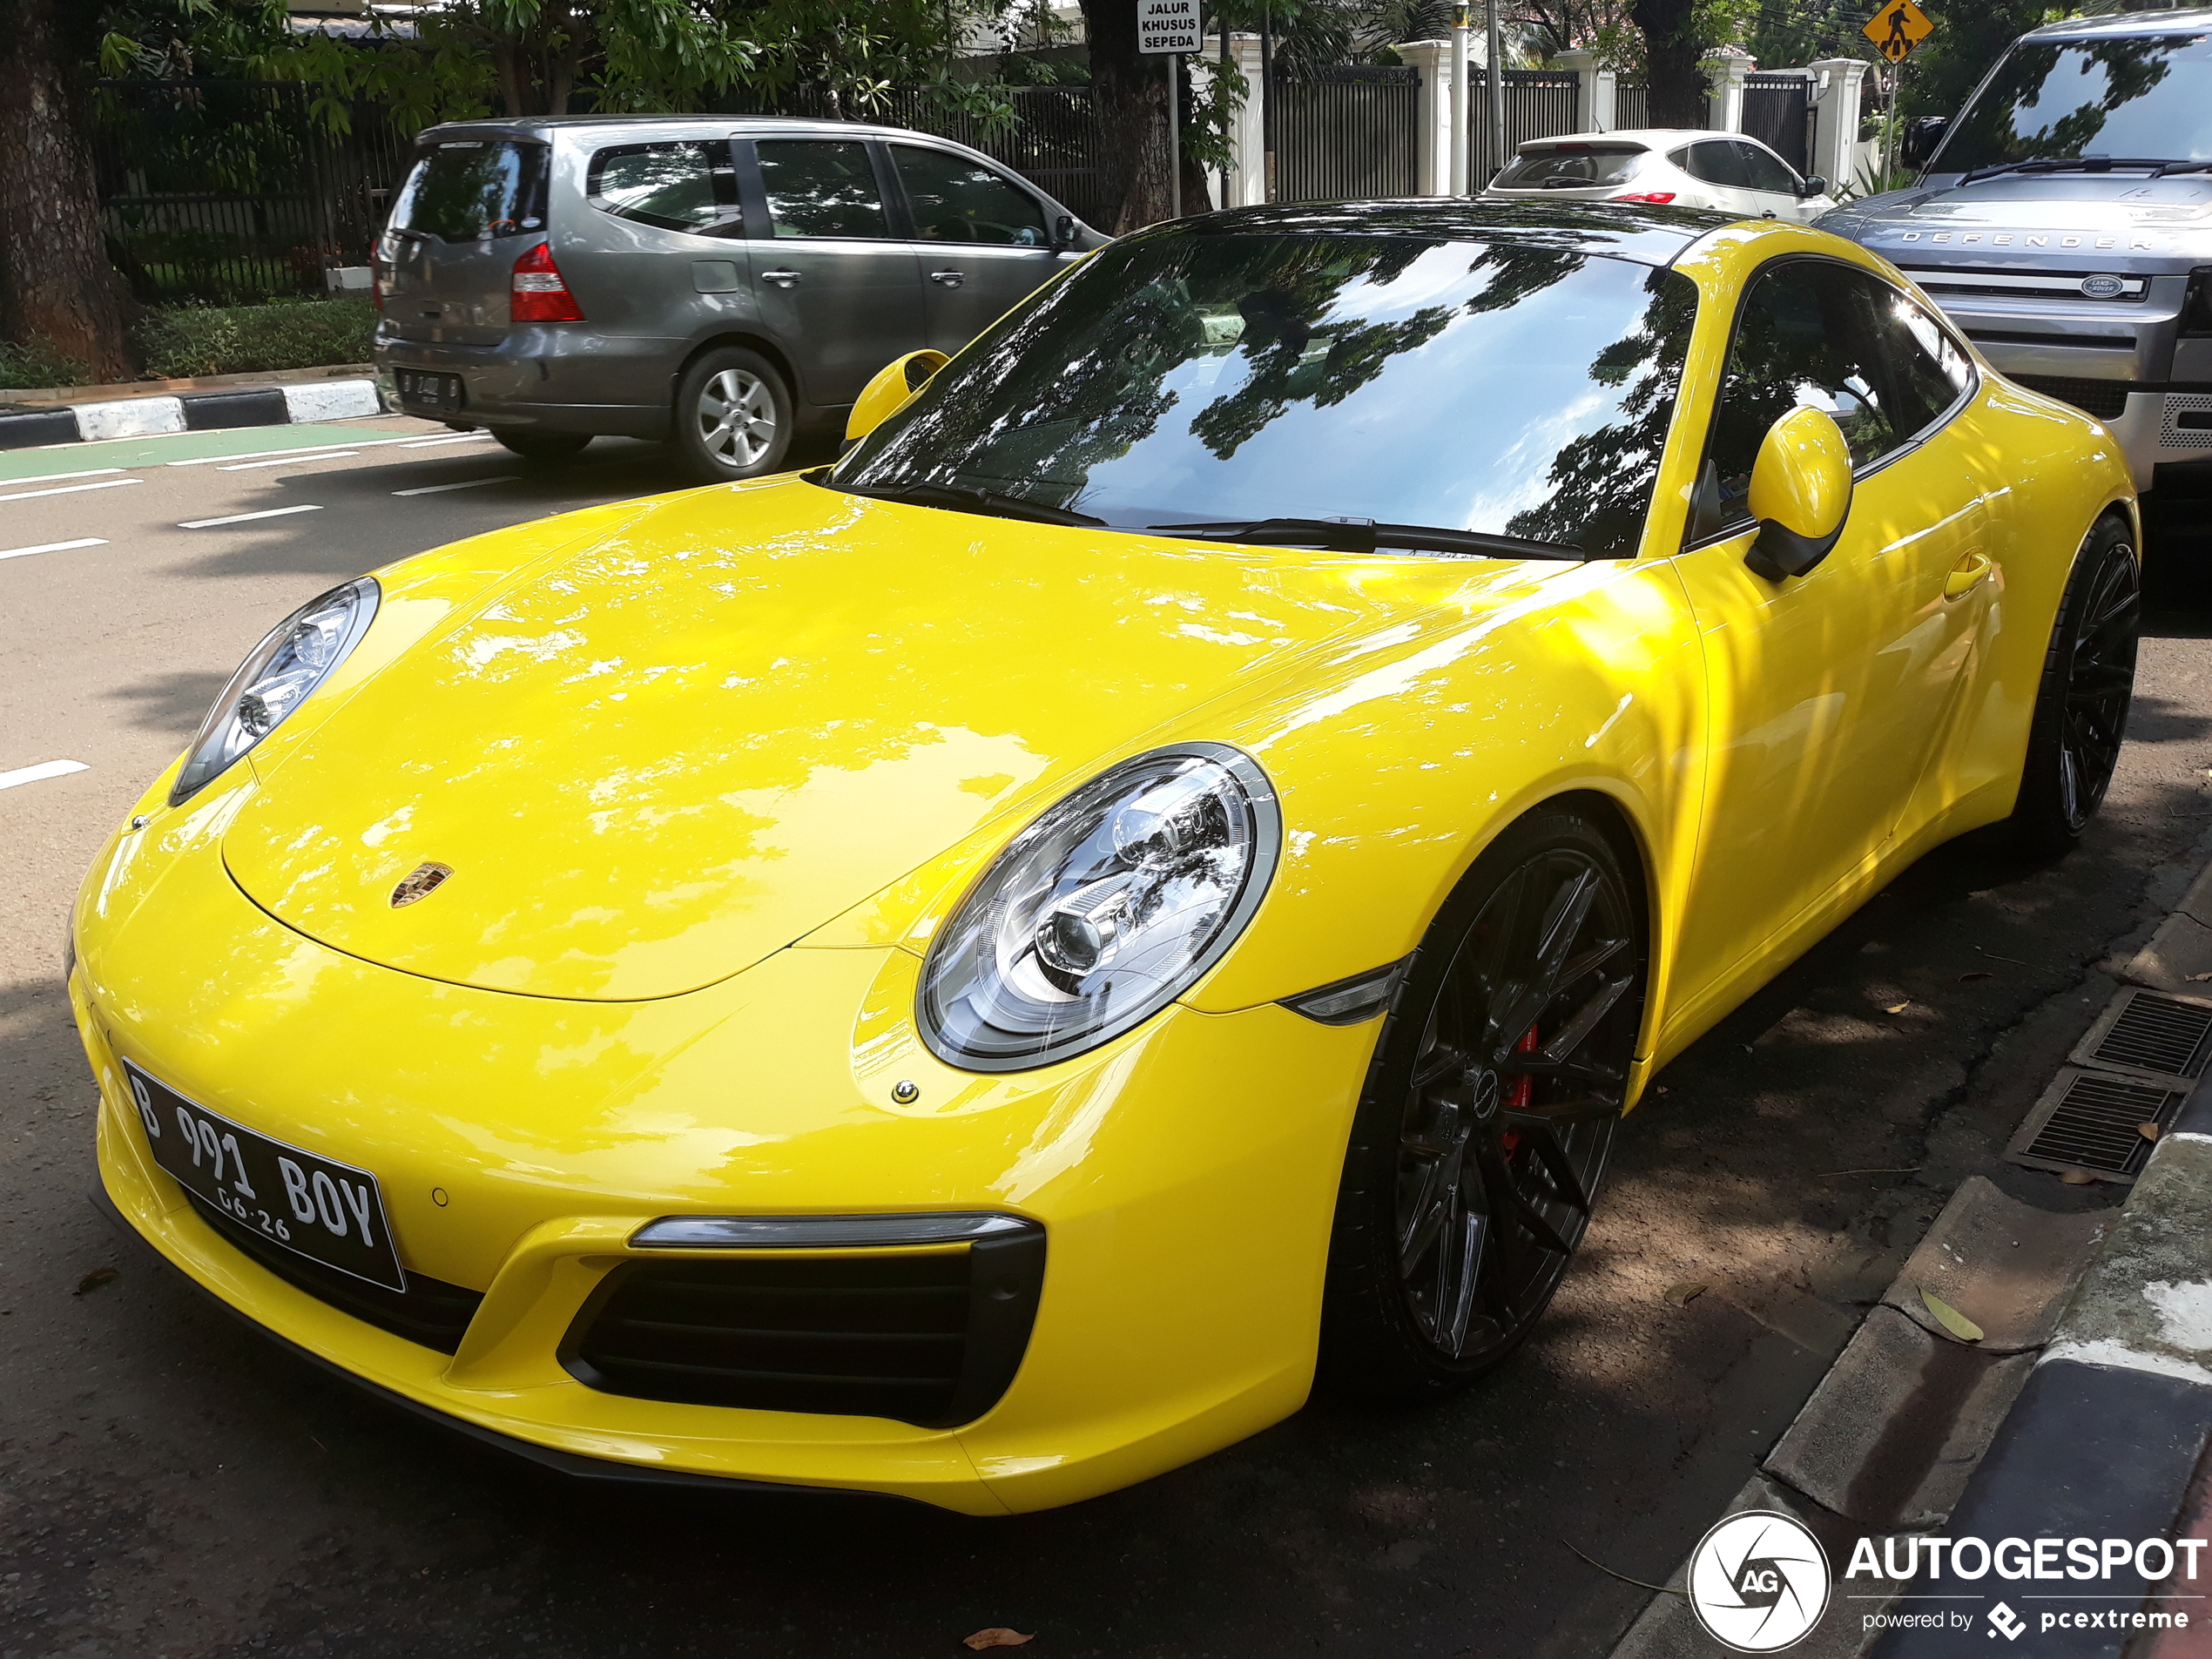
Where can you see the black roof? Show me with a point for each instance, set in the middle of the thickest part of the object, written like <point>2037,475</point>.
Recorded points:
<point>1644,232</point>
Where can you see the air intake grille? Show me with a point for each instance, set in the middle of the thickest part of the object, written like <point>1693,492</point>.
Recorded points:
<point>931,1337</point>
<point>2095,1124</point>
<point>2155,1033</point>
<point>430,1311</point>
<point>2106,400</point>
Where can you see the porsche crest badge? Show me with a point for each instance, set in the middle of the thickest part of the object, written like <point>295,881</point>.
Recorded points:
<point>421,881</point>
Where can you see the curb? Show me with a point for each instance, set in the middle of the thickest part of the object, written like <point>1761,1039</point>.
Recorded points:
<point>291,404</point>
<point>2107,1435</point>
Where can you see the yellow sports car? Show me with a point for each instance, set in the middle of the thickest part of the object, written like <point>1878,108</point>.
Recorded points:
<point>979,973</point>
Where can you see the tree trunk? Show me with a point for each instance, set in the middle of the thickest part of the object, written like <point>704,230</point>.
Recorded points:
<point>1674,86</point>
<point>1128,102</point>
<point>55,283</point>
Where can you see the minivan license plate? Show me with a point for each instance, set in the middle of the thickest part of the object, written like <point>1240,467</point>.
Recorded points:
<point>423,385</point>
<point>327,1212</point>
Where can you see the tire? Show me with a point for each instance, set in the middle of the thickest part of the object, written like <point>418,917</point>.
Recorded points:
<point>543,449</point>
<point>1546,934</point>
<point>733,417</point>
<point>2081,700</point>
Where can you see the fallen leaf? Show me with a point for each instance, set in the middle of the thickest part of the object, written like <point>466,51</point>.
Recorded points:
<point>1659,1089</point>
<point>2148,1131</point>
<point>2199,979</point>
<point>998,1637</point>
<point>2076,1176</point>
<point>1979,973</point>
<point>93,1280</point>
<point>1897,1007</point>
<point>1682,1293</point>
<point>1951,1320</point>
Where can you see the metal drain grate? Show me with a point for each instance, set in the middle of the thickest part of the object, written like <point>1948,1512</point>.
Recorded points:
<point>2151,1031</point>
<point>2093,1120</point>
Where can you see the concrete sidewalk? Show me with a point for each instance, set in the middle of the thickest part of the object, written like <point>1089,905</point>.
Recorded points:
<point>147,408</point>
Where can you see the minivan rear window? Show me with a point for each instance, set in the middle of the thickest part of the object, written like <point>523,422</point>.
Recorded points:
<point>464,190</point>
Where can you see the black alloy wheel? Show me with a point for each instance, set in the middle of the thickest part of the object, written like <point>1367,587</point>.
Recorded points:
<point>543,449</point>
<point>1478,1148</point>
<point>2081,702</point>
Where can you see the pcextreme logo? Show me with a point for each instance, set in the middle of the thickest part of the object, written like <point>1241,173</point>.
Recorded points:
<point>1758,1582</point>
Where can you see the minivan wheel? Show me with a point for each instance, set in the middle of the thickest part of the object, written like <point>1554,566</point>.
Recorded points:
<point>543,446</point>
<point>733,417</point>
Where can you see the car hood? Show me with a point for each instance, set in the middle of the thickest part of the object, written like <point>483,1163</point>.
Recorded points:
<point>2129,220</point>
<point>654,760</point>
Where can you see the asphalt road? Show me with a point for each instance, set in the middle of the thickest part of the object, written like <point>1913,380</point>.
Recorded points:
<point>171,1485</point>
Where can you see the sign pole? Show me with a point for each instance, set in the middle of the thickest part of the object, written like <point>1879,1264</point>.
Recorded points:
<point>1494,79</point>
<point>1175,135</point>
<point>1458,123</point>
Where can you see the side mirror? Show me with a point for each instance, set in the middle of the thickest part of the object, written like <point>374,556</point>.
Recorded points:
<point>886,394</point>
<point>1800,493</point>
<point>1064,231</point>
<point>1810,187</point>
<point>1920,138</point>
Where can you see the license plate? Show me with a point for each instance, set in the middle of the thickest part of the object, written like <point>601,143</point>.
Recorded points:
<point>425,387</point>
<point>313,1206</point>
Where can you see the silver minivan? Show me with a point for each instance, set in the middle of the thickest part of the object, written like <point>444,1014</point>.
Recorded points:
<point>725,284</point>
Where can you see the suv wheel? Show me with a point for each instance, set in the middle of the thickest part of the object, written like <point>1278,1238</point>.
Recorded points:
<point>543,446</point>
<point>732,417</point>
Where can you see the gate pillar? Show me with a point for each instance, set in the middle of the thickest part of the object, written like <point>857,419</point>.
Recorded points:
<point>1594,104</point>
<point>1247,128</point>
<point>1726,69</point>
<point>1835,116</point>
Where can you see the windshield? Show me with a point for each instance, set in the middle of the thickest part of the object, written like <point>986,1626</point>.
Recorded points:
<point>1572,167</point>
<point>1180,377</point>
<point>464,189</point>
<point>2142,99</point>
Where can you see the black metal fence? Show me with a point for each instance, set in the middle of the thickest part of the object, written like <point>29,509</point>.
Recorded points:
<point>1778,111</point>
<point>228,192</point>
<point>1539,102</point>
<point>1631,104</point>
<point>1345,134</point>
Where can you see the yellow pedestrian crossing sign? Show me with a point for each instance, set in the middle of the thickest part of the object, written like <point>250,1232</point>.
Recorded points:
<point>1897,28</point>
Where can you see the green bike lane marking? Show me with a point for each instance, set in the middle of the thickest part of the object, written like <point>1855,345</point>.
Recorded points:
<point>130,454</point>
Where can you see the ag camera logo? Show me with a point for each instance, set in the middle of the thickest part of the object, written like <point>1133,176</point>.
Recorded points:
<point>1758,1582</point>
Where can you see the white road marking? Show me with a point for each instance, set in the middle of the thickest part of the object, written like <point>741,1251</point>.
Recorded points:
<point>463,437</point>
<point>56,477</point>
<point>52,546</point>
<point>71,489</point>
<point>466,484</point>
<point>242,518</point>
<point>289,461</point>
<point>44,769</point>
<point>297,449</point>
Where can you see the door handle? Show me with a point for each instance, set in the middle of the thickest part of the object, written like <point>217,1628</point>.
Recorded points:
<point>784,278</point>
<point>950,279</point>
<point>1967,575</point>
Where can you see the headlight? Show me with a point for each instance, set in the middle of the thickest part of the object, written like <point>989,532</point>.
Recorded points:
<point>1103,911</point>
<point>297,656</point>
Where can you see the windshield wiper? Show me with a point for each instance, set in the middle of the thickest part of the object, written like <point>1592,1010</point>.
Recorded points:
<point>967,500</point>
<point>2074,164</point>
<point>1364,535</point>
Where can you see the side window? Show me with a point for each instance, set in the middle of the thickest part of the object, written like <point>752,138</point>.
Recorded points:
<point>821,187</point>
<point>1716,163</point>
<point>955,200</point>
<point>1762,170</point>
<point>672,186</point>
<point>1931,371</point>
<point>1808,333</point>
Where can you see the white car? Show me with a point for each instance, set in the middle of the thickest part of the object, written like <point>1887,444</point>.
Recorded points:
<point>1684,166</point>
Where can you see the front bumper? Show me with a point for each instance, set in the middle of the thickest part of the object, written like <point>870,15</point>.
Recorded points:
<point>1186,1176</point>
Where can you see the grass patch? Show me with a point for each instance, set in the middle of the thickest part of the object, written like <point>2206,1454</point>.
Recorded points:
<point>243,339</point>
<point>38,364</point>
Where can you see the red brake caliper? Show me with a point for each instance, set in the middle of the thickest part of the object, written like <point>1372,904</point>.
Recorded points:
<point>1518,1091</point>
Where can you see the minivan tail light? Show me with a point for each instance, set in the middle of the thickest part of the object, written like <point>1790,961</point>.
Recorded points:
<point>1657,198</point>
<point>538,294</point>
